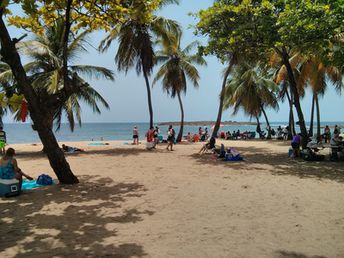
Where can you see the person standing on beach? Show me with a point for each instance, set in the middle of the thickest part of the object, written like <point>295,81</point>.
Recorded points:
<point>170,138</point>
<point>156,134</point>
<point>327,134</point>
<point>2,140</point>
<point>135,136</point>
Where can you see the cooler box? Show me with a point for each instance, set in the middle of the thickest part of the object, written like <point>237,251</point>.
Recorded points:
<point>9,187</point>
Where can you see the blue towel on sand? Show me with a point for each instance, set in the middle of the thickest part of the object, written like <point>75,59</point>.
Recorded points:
<point>28,185</point>
<point>97,144</point>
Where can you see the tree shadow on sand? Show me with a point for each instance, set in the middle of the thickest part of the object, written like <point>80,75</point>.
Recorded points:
<point>286,254</point>
<point>112,152</point>
<point>278,164</point>
<point>71,221</point>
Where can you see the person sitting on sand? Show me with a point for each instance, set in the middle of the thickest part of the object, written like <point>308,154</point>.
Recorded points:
<point>9,167</point>
<point>195,138</point>
<point>295,144</point>
<point>208,146</point>
<point>335,146</point>
<point>66,148</point>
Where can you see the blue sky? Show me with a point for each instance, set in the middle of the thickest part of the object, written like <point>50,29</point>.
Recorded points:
<point>128,99</point>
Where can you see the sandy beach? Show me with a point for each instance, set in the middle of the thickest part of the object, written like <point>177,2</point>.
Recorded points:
<point>137,203</point>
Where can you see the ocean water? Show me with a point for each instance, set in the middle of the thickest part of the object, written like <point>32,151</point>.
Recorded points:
<point>23,133</point>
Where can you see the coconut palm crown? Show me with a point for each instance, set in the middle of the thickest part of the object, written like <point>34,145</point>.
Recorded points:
<point>136,41</point>
<point>45,71</point>
<point>176,69</point>
<point>250,90</point>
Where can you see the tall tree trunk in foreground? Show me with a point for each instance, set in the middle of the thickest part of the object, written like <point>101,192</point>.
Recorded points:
<point>149,97</point>
<point>318,114</point>
<point>180,134</point>
<point>312,117</point>
<point>296,98</point>
<point>55,155</point>
<point>222,96</point>
<point>267,123</point>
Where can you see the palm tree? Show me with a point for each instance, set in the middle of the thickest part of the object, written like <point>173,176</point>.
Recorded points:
<point>314,73</point>
<point>281,78</point>
<point>233,60</point>
<point>250,90</point>
<point>136,40</point>
<point>46,76</point>
<point>311,71</point>
<point>177,67</point>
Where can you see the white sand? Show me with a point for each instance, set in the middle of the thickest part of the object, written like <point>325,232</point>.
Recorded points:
<point>132,203</point>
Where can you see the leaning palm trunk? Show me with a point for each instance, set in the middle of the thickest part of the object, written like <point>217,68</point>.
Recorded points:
<point>318,114</point>
<point>291,130</point>
<point>222,97</point>
<point>180,134</point>
<point>55,155</point>
<point>149,97</point>
<point>258,125</point>
<point>296,98</point>
<point>312,117</point>
<point>267,123</point>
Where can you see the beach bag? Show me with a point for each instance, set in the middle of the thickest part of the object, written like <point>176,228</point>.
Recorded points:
<point>44,180</point>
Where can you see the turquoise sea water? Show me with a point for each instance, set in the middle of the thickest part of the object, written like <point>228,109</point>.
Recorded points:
<point>23,133</point>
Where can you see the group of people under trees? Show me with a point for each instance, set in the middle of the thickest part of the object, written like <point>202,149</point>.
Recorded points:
<point>202,135</point>
<point>315,143</point>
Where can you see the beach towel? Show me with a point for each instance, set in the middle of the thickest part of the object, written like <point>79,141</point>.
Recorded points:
<point>97,144</point>
<point>28,185</point>
<point>233,158</point>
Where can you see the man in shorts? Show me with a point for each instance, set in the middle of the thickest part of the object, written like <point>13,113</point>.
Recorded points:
<point>135,136</point>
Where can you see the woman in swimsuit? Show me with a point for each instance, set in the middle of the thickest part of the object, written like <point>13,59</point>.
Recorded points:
<point>9,167</point>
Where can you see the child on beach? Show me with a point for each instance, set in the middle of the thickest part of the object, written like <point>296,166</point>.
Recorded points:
<point>170,138</point>
<point>2,140</point>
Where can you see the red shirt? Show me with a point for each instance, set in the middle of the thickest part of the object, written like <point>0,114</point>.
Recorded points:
<point>150,135</point>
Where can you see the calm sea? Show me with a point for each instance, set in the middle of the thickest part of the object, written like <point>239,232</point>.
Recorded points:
<point>23,133</point>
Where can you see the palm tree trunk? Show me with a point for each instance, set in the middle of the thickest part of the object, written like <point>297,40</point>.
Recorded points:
<point>65,42</point>
<point>312,117</point>
<point>318,114</point>
<point>149,97</point>
<point>292,81</point>
<point>267,123</point>
<point>55,155</point>
<point>291,130</point>
<point>258,129</point>
<point>222,96</point>
<point>180,134</point>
